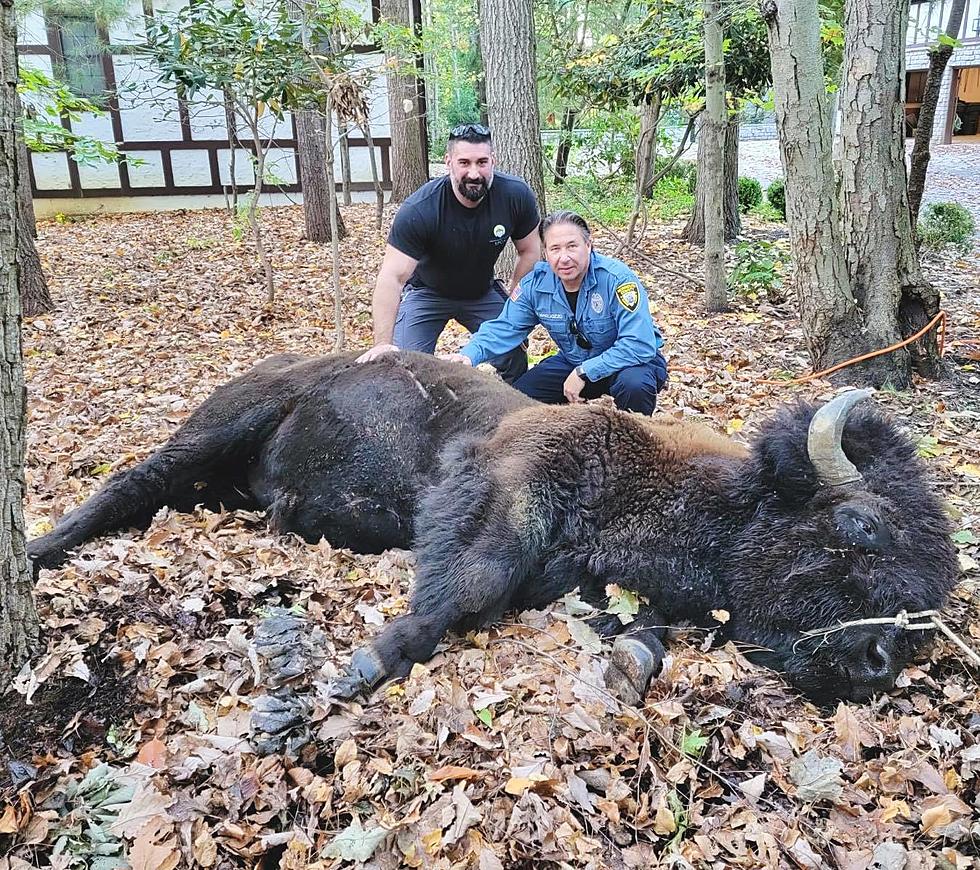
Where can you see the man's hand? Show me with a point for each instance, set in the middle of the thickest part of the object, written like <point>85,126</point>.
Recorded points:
<point>456,358</point>
<point>377,351</point>
<point>573,387</point>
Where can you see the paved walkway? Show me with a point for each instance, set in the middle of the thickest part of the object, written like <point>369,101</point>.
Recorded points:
<point>954,171</point>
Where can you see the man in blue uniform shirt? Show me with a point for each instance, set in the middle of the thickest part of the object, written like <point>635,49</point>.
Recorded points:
<point>597,313</point>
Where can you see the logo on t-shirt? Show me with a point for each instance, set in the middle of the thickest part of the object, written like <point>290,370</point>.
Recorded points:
<point>499,231</point>
<point>597,303</point>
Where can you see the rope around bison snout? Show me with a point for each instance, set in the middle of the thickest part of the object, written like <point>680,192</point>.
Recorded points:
<point>904,621</point>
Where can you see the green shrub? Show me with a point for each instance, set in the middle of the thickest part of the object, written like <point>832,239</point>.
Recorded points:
<point>749,193</point>
<point>947,224</point>
<point>776,194</point>
<point>692,179</point>
<point>759,268</point>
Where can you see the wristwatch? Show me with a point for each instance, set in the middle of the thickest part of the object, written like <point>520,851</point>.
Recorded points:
<point>580,373</point>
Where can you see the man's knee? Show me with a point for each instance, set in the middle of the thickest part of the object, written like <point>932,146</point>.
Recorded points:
<point>635,388</point>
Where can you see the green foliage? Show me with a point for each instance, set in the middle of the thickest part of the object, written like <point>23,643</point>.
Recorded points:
<point>776,196</point>
<point>759,268</point>
<point>672,198</point>
<point>257,57</point>
<point>947,224</point>
<point>693,742</point>
<point>46,101</point>
<point>749,193</point>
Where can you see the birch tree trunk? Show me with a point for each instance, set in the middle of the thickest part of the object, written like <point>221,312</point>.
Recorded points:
<point>693,232</point>
<point>507,46</point>
<point>712,178</point>
<point>409,162</point>
<point>829,314</point>
<point>877,231</point>
<point>18,619</point>
<point>939,56</point>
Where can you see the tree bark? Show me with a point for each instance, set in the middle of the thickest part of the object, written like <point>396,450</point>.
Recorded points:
<point>507,47</point>
<point>711,179</point>
<point>877,230</point>
<point>310,146</point>
<point>18,619</point>
<point>564,145</point>
<point>34,295</point>
<point>646,145</point>
<point>939,56</point>
<point>409,162</point>
<point>693,232</point>
<point>334,213</point>
<point>345,176</point>
<point>828,311</point>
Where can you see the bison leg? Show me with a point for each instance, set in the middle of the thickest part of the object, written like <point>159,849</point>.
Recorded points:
<point>203,463</point>
<point>637,655</point>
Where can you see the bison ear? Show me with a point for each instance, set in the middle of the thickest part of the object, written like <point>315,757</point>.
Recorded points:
<point>861,527</point>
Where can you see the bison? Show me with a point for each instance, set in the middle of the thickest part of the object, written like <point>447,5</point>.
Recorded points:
<point>827,517</point>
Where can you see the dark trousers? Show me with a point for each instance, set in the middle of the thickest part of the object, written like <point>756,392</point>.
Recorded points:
<point>633,388</point>
<point>423,315</point>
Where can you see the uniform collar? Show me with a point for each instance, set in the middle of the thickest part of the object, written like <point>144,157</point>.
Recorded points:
<point>588,282</point>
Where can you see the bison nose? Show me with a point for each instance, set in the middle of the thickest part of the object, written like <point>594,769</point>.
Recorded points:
<point>873,668</point>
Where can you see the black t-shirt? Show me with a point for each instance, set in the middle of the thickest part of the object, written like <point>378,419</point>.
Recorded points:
<point>457,246</point>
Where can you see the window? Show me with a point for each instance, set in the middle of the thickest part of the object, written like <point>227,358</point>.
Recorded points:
<point>81,50</point>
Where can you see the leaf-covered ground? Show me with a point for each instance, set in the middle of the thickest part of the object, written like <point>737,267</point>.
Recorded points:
<point>505,750</point>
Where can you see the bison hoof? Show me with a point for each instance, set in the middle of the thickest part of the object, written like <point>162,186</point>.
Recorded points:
<point>632,665</point>
<point>364,673</point>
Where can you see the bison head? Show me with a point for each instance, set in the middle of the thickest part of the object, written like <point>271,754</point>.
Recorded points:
<point>842,525</point>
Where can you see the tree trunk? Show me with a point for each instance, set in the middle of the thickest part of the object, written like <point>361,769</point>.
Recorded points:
<point>507,46</point>
<point>34,296</point>
<point>345,176</point>
<point>646,145</point>
<point>877,230</point>
<point>693,232</point>
<point>712,176</point>
<point>409,162</point>
<point>828,312</point>
<point>334,213</point>
<point>18,619</point>
<point>313,175</point>
<point>938,60</point>
<point>481,74</point>
<point>564,145</point>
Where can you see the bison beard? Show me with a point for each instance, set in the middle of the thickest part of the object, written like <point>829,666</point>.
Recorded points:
<point>513,515</point>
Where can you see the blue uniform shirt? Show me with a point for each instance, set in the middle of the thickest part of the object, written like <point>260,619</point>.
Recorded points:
<point>612,312</point>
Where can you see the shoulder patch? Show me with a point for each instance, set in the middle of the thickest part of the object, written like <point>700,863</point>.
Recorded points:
<point>628,295</point>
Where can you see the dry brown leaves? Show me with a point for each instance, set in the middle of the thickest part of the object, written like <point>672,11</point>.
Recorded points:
<point>504,750</point>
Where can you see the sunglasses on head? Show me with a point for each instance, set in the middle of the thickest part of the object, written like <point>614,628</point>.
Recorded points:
<point>580,339</point>
<point>462,130</point>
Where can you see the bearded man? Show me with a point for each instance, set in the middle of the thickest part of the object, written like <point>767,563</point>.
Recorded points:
<point>442,249</point>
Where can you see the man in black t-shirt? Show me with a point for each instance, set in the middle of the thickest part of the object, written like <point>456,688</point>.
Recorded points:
<point>442,248</point>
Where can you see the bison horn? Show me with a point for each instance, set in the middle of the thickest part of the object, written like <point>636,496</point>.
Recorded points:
<point>823,444</point>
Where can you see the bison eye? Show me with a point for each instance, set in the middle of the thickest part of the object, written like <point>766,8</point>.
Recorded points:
<point>859,526</point>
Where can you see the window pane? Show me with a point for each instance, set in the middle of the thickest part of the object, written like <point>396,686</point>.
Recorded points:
<point>82,50</point>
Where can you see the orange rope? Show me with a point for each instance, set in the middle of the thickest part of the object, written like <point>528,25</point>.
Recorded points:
<point>940,318</point>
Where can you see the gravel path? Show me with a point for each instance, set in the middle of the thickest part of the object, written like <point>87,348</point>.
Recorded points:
<point>954,170</point>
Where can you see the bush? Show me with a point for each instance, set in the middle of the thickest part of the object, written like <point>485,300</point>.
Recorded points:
<point>759,269</point>
<point>776,194</point>
<point>749,193</point>
<point>947,224</point>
